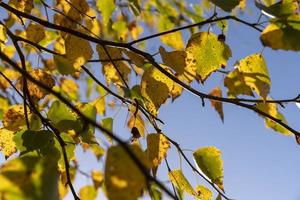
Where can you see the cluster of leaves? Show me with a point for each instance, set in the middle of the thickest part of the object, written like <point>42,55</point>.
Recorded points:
<point>48,51</point>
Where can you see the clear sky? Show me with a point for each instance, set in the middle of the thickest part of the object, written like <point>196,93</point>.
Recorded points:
<point>259,164</point>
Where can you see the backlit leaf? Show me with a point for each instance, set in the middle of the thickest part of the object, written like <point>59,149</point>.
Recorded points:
<point>157,148</point>
<point>209,161</point>
<point>179,180</point>
<point>207,53</point>
<point>106,7</point>
<point>88,192</point>
<point>203,193</point>
<point>35,32</point>
<point>78,50</point>
<point>7,144</point>
<point>29,178</point>
<point>256,74</point>
<point>271,109</point>
<point>155,87</point>
<point>119,183</point>
<point>217,105</point>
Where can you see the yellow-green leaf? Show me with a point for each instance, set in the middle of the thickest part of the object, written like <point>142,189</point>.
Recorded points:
<point>155,87</point>
<point>256,74</point>
<point>271,109</point>
<point>282,35</point>
<point>210,162</point>
<point>203,193</point>
<point>207,53</point>
<point>106,7</point>
<point>178,61</point>
<point>119,183</point>
<point>236,84</point>
<point>179,180</point>
<point>157,148</point>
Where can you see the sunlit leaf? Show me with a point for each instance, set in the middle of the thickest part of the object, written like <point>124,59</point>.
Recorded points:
<point>118,182</point>
<point>217,105</point>
<point>256,74</point>
<point>179,180</point>
<point>157,148</point>
<point>88,192</point>
<point>106,7</point>
<point>203,193</point>
<point>209,161</point>
<point>207,53</point>
<point>29,178</point>
<point>271,109</point>
<point>7,144</point>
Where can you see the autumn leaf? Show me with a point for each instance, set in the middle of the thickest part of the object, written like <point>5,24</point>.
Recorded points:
<point>157,148</point>
<point>179,180</point>
<point>209,161</point>
<point>118,182</point>
<point>217,105</point>
<point>207,53</point>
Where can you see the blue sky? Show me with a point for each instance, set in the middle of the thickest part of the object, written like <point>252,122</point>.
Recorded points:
<point>259,164</point>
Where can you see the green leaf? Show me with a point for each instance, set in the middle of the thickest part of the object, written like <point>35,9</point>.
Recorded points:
<point>87,131</point>
<point>209,161</point>
<point>29,178</point>
<point>179,180</point>
<point>226,5</point>
<point>106,7</point>
<point>63,65</point>
<point>256,74</point>
<point>107,123</point>
<point>207,53</point>
<point>27,140</point>
<point>62,117</point>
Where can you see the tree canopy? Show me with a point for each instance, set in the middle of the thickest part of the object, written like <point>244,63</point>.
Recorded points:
<point>68,65</point>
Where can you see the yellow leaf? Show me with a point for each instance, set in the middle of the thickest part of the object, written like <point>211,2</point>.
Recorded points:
<point>106,7</point>
<point>203,193</point>
<point>155,87</point>
<point>13,118</point>
<point>180,181</point>
<point>157,147</point>
<point>119,183</point>
<point>98,178</point>
<point>138,123</point>
<point>282,35</point>
<point>256,74</point>
<point>88,192</point>
<point>93,24</point>
<point>35,32</point>
<point>9,51</point>
<point>135,30</point>
<point>10,74</point>
<point>22,5</point>
<point>109,68</point>
<point>7,144</point>
<point>70,88</point>
<point>207,53</point>
<point>218,105</point>
<point>78,50</point>
<point>35,91</point>
<point>271,109</point>
<point>236,84</point>
<point>178,61</point>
